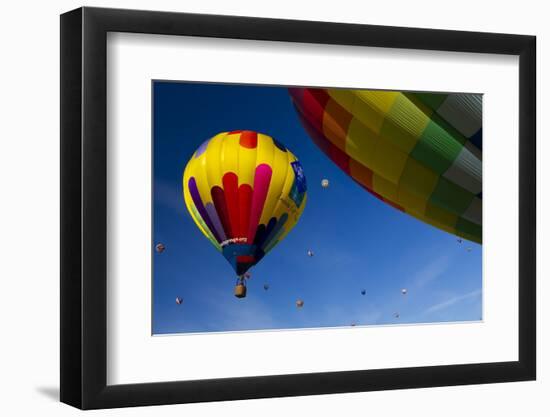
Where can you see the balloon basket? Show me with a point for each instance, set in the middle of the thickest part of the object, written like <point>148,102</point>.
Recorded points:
<point>240,291</point>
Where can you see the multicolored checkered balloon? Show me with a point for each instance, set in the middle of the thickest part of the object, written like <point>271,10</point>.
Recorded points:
<point>418,152</point>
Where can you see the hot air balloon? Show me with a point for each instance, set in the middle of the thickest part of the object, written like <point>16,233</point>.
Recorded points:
<point>266,287</point>
<point>363,292</point>
<point>324,183</point>
<point>179,300</point>
<point>299,303</point>
<point>245,191</point>
<point>310,253</point>
<point>160,247</point>
<point>417,152</point>
<point>404,291</point>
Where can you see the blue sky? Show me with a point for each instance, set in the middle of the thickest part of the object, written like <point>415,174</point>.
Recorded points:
<point>358,241</point>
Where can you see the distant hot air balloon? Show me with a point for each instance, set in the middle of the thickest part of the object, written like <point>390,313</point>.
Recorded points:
<point>179,300</point>
<point>324,183</point>
<point>404,291</point>
<point>245,191</point>
<point>266,287</point>
<point>299,303</point>
<point>417,152</point>
<point>310,253</point>
<point>160,247</point>
<point>396,315</point>
<point>363,292</point>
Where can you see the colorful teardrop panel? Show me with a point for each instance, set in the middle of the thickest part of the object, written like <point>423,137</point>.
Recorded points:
<point>245,191</point>
<point>418,152</point>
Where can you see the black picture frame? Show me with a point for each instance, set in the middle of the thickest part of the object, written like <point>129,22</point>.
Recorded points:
<point>84,207</point>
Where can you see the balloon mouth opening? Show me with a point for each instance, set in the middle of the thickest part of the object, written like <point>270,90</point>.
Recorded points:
<point>242,256</point>
<point>242,268</point>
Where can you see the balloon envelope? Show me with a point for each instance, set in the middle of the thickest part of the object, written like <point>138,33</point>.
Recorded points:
<point>245,191</point>
<point>417,152</point>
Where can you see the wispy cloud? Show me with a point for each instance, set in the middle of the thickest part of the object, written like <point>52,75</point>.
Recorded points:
<point>432,271</point>
<point>452,301</point>
<point>331,259</point>
<point>168,195</point>
<point>339,315</point>
<point>252,314</point>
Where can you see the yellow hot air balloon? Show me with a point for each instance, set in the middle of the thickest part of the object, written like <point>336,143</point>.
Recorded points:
<point>245,191</point>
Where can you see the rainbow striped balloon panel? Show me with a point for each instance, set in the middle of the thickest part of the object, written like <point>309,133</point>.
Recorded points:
<point>418,152</point>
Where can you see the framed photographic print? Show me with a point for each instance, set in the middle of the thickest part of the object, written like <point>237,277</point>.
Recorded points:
<point>257,208</point>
